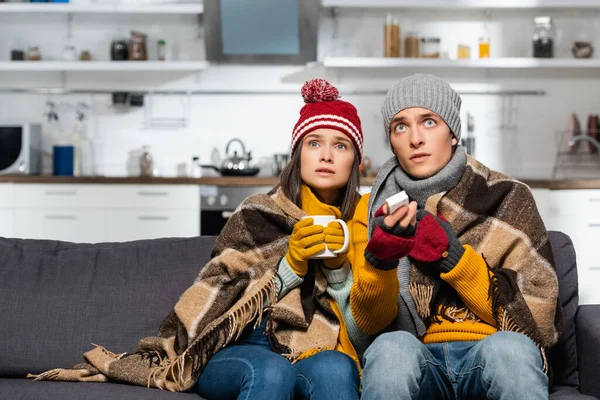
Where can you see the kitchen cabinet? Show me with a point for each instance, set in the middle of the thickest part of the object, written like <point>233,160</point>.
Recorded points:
<point>152,211</point>
<point>82,226</point>
<point>74,213</point>
<point>577,213</point>
<point>126,225</point>
<point>542,201</point>
<point>6,211</point>
<point>98,213</point>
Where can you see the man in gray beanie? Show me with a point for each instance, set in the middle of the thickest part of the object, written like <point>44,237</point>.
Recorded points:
<point>458,288</point>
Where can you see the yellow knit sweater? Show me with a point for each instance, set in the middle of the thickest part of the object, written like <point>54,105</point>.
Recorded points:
<point>313,206</point>
<point>374,293</point>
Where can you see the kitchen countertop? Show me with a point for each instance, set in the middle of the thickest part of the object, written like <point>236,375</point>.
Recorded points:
<point>252,181</point>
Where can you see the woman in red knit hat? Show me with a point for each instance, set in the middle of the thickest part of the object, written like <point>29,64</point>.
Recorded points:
<point>291,340</point>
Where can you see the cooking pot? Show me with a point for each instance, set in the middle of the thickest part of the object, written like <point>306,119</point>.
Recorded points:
<point>235,165</point>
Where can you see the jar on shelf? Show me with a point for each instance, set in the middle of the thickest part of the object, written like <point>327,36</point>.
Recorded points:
<point>543,37</point>
<point>34,53</point>
<point>137,50</point>
<point>69,53</point>
<point>463,52</point>
<point>430,47</point>
<point>85,55</point>
<point>412,45</point>
<point>391,36</point>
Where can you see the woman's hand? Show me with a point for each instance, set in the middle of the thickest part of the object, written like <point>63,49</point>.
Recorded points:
<point>334,239</point>
<point>306,240</point>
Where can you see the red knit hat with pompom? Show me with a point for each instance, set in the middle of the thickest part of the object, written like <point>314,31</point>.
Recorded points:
<point>324,110</point>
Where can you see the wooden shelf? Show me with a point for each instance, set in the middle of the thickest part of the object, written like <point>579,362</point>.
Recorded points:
<point>99,66</point>
<point>65,8</point>
<point>462,4</point>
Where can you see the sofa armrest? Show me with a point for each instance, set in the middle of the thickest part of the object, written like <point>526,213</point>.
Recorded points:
<point>587,323</point>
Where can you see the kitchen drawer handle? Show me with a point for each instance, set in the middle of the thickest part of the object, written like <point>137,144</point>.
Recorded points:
<point>594,225</point>
<point>595,267</point>
<point>61,217</point>
<point>594,200</point>
<point>153,193</point>
<point>61,192</point>
<point>152,218</point>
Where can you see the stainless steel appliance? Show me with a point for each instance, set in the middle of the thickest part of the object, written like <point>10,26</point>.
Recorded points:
<point>20,149</point>
<point>217,203</point>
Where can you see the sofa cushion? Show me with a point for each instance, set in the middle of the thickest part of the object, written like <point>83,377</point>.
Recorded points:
<point>57,298</point>
<point>563,356</point>
<point>26,389</point>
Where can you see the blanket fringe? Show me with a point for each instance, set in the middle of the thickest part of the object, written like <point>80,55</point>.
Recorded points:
<point>422,296</point>
<point>204,346</point>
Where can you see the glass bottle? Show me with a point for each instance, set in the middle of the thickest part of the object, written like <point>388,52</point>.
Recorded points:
<point>543,37</point>
<point>484,46</point>
<point>391,36</point>
<point>162,50</point>
<point>412,45</point>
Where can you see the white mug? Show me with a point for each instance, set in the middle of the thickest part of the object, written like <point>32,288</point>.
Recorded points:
<point>324,220</point>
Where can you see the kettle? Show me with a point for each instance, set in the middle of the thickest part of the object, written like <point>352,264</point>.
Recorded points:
<point>235,165</point>
<point>236,162</point>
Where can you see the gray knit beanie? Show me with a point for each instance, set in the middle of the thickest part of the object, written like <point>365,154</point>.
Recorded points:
<point>427,91</point>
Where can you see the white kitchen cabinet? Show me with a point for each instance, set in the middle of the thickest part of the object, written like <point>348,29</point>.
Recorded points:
<point>126,225</point>
<point>542,201</point>
<point>577,213</point>
<point>59,196</point>
<point>73,213</point>
<point>6,223</point>
<point>6,209</point>
<point>152,196</point>
<point>152,211</point>
<point>60,224</point>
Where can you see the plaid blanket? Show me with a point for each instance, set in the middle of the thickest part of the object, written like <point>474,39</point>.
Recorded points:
<point>497,216</point>
<point>234,289</point>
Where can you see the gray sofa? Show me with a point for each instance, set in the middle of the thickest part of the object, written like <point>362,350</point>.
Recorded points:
<point>57,298</point>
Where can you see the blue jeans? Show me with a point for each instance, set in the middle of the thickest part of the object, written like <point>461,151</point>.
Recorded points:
<point>505,365</point>
<point>249,369</point>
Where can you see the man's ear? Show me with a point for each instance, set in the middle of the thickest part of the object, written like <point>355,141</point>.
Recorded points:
<point>454,141</point>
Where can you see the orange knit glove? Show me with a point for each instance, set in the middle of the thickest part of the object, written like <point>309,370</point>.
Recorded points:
<point>334,239</point>
<point>306,240</point>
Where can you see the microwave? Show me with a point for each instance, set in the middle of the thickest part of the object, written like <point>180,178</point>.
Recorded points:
<point>20,149</point>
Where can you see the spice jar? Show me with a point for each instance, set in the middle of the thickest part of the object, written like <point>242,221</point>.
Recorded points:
<point>412,45</point>
<point>430,47</point>
<point>543,37</point>
<point>463,52</point>
<point>137,51</point>
<point>85,55</point>
<point>34,54</point>
<point>391,36</point>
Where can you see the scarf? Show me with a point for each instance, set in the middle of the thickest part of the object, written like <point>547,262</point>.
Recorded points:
<point>229,293</point>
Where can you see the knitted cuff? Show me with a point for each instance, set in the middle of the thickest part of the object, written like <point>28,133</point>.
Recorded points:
<point>452,256</point>
<point>380,264</point>
<point>395,230</point>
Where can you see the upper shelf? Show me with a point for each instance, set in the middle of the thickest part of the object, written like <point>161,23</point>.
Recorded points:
<point>458,4</point>
<point>175,8</point>
<point>376,66</point>
<point>487,63</point>
<point>98,66</point>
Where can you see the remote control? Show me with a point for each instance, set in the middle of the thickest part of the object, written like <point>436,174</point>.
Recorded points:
<point>396,201</point>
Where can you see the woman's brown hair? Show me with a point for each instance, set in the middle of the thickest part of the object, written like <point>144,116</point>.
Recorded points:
<point>291,179</point>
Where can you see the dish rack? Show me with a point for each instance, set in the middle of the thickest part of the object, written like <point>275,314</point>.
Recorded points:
<point>576,157</point>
